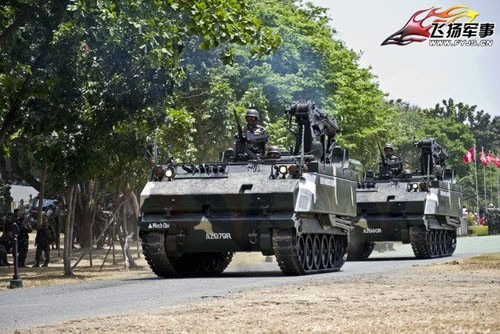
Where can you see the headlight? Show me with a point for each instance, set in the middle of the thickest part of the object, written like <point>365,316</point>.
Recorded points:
<point>170,172</point>
<point>283,170</point>
<point>293,169</point>
<point>158,172</point>
<point>423,186</point>
<point>412,187</point>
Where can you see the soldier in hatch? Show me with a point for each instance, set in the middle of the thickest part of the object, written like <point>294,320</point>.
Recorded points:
<point>273,152</point>
<point>257,130</point>
<point>393,161</point>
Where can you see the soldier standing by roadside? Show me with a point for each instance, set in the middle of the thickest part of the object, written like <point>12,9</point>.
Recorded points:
<point>23,241</point>
<point>6,246</point>
<point>44,237</point>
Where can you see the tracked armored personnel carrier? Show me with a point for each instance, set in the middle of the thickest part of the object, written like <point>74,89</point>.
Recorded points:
<point>422,208</point>
<point>297,207</point>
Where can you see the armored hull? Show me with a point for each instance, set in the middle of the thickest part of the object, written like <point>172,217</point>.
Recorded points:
<point>422,208</point>
<point>193,222</point>
<point>423,213</point>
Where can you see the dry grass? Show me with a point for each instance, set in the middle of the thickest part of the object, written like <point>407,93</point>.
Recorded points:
<point>98,267</point>
<point>101,267</point>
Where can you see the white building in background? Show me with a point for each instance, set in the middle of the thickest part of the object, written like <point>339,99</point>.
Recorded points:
<point>21,192</point>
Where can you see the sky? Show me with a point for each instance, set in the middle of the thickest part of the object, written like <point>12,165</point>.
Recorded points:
<point>418,73</point>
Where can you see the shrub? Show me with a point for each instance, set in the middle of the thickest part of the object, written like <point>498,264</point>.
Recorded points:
<point>478,230</point>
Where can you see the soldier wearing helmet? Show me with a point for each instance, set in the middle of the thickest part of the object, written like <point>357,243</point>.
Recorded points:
<point>395,164</point>
<point>273,152</point>
<point>256,134</point>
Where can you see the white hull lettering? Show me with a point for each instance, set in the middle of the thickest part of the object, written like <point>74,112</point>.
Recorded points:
<point>327,182</point>
<point>158,225</point>
<point>372,230</point>
<point>218,236</point>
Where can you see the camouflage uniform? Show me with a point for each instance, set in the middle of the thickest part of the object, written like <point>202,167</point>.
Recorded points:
<point>23,241</point>
<point>6,247</point>
<point>395,164</point>
<point>256,146</point>
<point>255,130</point>
<point>44,237</point>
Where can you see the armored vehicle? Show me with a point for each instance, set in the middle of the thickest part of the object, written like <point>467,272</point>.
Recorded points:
<point>296,206</point>
<point>422,207</point>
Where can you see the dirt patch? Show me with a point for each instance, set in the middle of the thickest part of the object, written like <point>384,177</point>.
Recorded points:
<point>459,296</point>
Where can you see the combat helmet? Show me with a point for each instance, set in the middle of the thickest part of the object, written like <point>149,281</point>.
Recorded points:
<point>273,152</point>
<point>252,113</point>
<point>388,146</point>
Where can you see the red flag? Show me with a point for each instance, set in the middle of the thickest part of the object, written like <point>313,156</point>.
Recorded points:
<point>483,159</point>
<point>491,159</point>
<point>469,155</point>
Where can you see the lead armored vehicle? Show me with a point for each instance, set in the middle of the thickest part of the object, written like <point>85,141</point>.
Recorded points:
<point>296,206</point>
<point>422,208</point>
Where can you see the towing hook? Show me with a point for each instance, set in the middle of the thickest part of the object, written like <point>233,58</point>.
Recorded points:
<point>253,237</point>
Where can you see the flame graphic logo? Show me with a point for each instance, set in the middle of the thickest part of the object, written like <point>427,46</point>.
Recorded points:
<point>415,30</point>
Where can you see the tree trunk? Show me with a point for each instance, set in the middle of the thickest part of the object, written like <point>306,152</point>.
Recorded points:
<point>21,20</point>
<point>23,173</point>
<point>68,233</point>
<point>41,195</point>
<point>137,213</point>
<point>83,214</point>
<point>125,235</point>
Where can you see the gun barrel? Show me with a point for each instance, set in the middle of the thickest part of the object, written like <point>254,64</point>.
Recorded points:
<point>240,129</point>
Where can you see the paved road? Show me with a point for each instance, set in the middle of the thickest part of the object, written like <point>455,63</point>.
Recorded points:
<point>24,308</point>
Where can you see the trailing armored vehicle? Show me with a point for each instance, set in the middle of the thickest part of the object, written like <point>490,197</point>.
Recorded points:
<point>422,208</point>
<point>297,207</point>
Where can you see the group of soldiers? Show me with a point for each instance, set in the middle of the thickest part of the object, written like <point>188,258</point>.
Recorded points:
<point>493,220</point>
<point>20,228</point>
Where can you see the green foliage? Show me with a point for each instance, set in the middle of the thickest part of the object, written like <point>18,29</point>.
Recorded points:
<point>478,230</point>
<point>83,84</point>
<point>309,65</point>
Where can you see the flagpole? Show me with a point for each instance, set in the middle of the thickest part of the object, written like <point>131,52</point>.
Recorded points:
<point>475,173</point>
<point>484,180</point>
<point>491,183</point>
<point>498,190</point>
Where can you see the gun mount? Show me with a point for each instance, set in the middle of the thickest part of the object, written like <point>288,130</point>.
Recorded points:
<point>432,158</point>
<point>315,132</point>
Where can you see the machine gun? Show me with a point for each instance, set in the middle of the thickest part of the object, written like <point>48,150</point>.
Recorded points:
<point>385,170</point>
<point>241,138</point>
<point>432,158</point>
<point>312,124</point>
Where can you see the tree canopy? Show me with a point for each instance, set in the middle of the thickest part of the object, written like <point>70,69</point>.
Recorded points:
<point>85,86</point>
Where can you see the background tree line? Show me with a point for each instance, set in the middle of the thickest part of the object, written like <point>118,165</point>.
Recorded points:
<point>84,85</point>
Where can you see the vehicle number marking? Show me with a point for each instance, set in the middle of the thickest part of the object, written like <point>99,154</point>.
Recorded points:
<point>218,236</point>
